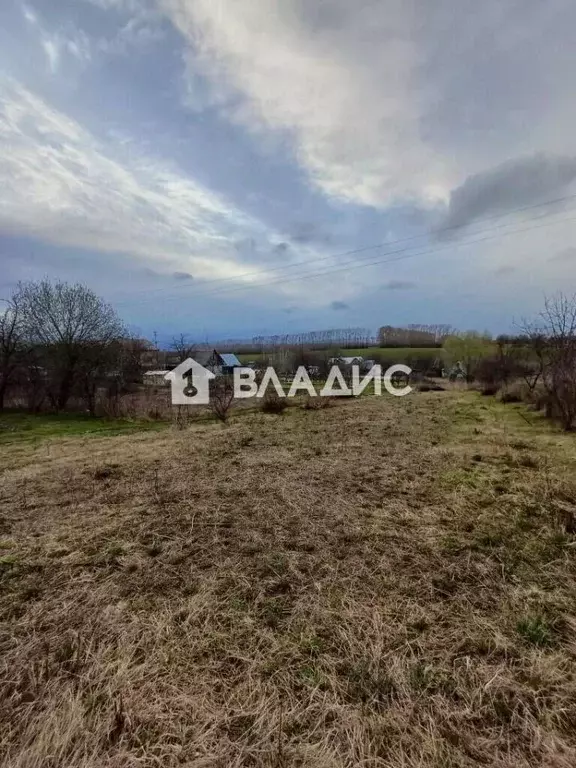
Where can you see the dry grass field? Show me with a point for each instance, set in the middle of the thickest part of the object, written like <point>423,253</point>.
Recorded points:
<point>388,582</point>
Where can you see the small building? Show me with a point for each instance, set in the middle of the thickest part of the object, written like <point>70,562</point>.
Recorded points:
<point>172,359</point>
<point>346,361</point>
<point>155,379</point>
<point>149,355</point>
<point>222,364</point>
<point>228,362</point>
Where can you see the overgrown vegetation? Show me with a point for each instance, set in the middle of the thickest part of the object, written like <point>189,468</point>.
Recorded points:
<point>538,366</point>
<point>273,403</point>
<point>60,343</point>
<point>386,582</point>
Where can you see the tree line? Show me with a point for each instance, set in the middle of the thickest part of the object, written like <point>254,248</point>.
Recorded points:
<point>537,365</point>
<point>61,344</point>
<point>415,335</point>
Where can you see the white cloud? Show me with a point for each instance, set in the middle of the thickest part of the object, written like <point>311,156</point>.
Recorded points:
<point>389,101</point>
<point>29,15</point>
<point>56,47</point>
<point>129,6</point>
<point>61,185</point>
<point>70,45</point>
<point>355,125</point>
<point>52,51</point>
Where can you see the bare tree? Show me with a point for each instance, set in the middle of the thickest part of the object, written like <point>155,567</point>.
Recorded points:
<point>131,367</point>
<point>531,352</point>
<point>11,344</point>
<point>221,396</point>
<point>559,318</point>
<point>553,343</point>
<point>73,328</point>
<point>183,347</point>
<point>98,367</point>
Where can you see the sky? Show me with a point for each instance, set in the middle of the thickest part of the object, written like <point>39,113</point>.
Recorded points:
<point>227,169</point>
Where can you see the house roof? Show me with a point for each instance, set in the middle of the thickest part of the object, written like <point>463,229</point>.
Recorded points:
<point>230,361</point>
<point>346,360</point>
<point>202,356</point>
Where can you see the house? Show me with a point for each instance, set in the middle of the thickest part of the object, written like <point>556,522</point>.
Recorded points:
<point>228,362</point>
<point>149,355</point>
<point>346,361</point>
<point>367,365</point>
<point>155,378</point>
<point>222,364</point>
<point>171,360</point>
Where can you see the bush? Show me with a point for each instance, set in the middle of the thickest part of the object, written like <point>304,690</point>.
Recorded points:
<point>222,397</point>
<point>517,392</point>
<point>510,397</point>
<point>427,385</point>
<point>272,403</point>
<point>317,403</point>
<point>543,402</point>
<point>424,366</point>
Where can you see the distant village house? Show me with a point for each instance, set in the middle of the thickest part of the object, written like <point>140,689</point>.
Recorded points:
<point>221,364</point>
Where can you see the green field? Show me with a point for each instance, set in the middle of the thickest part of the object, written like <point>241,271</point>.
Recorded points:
<point>391,354</point>
<point>16,426</point>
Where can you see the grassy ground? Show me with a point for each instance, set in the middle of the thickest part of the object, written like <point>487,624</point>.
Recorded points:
<point>393,355</point>
<point>16,426</point>
<point>389,582</point>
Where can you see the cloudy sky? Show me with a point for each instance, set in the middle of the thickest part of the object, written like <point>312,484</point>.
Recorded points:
<point>228,168</point>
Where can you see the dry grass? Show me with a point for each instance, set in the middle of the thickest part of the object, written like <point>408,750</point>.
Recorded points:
<point>388,582</point>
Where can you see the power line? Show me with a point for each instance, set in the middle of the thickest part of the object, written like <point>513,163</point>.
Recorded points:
<point>431,233</point>
<point>354,265</point>
<point>349,266</point>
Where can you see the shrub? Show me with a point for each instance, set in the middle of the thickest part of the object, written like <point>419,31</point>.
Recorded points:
<point>427,385</point>
<point>542,402</point>
<point>317,403</point>
<point>272,403</point>
<point>221,397</point>
<point>510,397</point>
<point>517,392</point>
